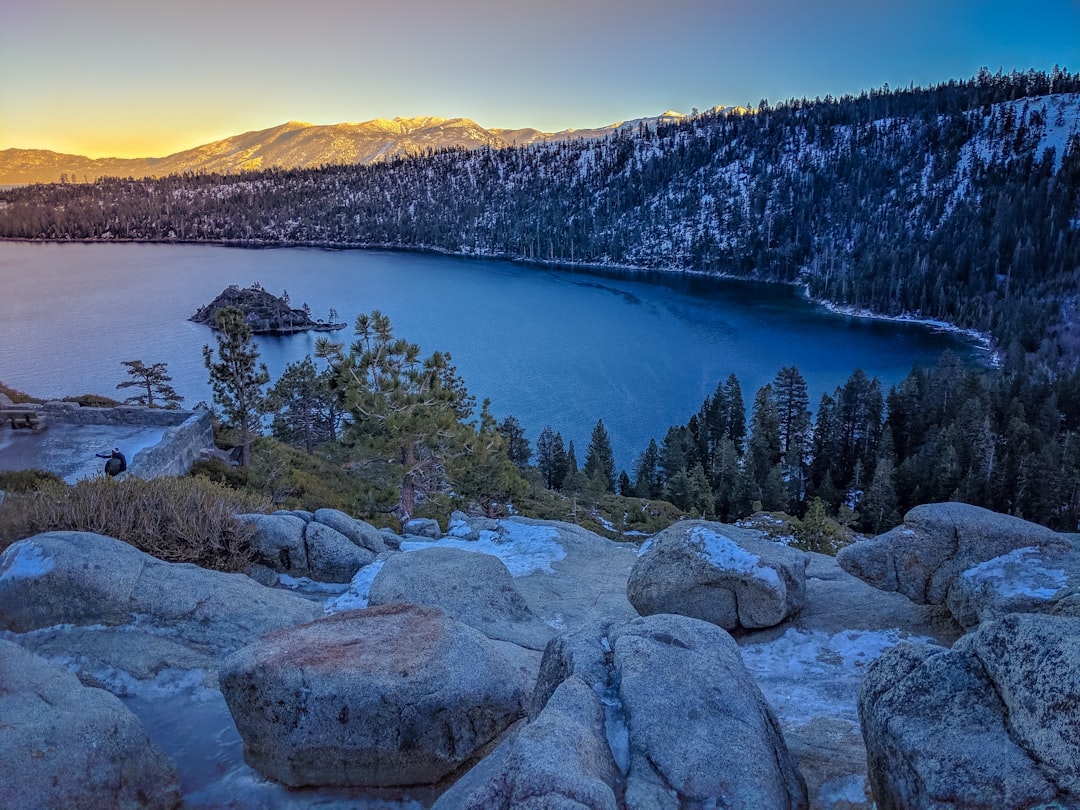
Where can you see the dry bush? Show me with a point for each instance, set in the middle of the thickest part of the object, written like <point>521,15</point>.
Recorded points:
<point>174,519</point>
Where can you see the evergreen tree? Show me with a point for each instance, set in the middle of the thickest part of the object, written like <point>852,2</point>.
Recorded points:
<point>407,413</point>
<point>765,448</point>
<point>624,487</point>
<point>484,473</point>
<point>153,381</point>
<point>551,458</point>
<point>517,444</point>
<point>647,481</point>
<point>600,460</point>
<point>237,378</point>
<point>305,408</point>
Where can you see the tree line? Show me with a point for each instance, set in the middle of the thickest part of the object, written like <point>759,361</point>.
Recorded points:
<point>956,202</point>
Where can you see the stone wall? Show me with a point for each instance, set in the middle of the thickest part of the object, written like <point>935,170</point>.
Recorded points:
<point>187,433</point>
<point>180,447</point>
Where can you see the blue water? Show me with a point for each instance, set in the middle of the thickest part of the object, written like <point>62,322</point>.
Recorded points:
<point>550,347</point>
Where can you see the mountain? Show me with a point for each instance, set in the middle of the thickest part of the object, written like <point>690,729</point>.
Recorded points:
<point>958,203</point>
<point>295,145</point>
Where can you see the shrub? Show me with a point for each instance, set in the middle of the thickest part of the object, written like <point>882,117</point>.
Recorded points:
<point>16,396</point>
<point>93,401</point>
<point>174,519</point>
<point>28,480</point>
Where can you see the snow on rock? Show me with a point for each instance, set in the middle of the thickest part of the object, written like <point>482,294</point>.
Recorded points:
<point>726,554</point>
<point>357,595</point>
<point>24,560</point>
<point>1019,573</point>
<point>524,549</point>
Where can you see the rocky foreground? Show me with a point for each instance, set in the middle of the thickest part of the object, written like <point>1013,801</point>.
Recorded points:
<point>520,663</point>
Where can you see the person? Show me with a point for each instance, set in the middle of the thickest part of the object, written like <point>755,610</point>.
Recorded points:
<point>116,463</point>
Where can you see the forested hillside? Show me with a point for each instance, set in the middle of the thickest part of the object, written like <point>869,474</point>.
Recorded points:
<point>959,202</point>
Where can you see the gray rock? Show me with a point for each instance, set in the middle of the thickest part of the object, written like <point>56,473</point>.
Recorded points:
<point>467,527</point>
<point>560,762</point>
<point>473,588</point>
<point>422,527</point>
<point>68,745</point>
<point>85,579</point>
<point>992,720</point>
<point>279,542</point>
<point>362,534</point>
<point>333,557</point>
<point>718,573</point>
<point>938,542</point>
<point>698,724</point>
<point>1027,580</point>
<point>684,726</point>
<point>394,695</point>
<point>391,538</point>
<point>303,514</point>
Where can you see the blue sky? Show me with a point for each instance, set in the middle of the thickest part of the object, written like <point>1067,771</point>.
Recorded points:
<point>144,78</point>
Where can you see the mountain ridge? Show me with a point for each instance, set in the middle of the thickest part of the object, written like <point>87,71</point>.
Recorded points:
<point>298,145</point>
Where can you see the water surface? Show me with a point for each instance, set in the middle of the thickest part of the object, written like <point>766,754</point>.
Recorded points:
<point>550,347</point>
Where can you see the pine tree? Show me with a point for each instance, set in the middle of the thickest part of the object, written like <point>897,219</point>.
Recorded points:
<point>600,460</point>
<point>237,378</point>
<point>517,444</point>
<point>407,413</point>
<point>154,381</point>
<point>305,408</point>
<point>483,473</point>
<point>647,481</point>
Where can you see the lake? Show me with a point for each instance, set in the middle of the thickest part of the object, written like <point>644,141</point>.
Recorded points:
<point>551,347</point>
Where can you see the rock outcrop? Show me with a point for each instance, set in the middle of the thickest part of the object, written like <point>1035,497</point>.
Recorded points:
<point>88,579</point>
<point>328,546</point>
<point>473,588</point>
<point>990,722</point>
<point>980,563</point>
<point>68,745</point>
<point>393,695</point>
<point>679,716</point>
<point>718,573</point>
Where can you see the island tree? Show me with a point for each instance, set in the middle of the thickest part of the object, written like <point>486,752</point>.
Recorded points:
<point>152,381</point>
<point>237,378</point>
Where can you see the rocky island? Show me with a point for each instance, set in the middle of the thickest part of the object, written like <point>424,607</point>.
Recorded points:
<point>266,313</point>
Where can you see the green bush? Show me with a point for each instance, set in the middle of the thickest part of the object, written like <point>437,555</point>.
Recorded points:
<point>16,396</point>
<point>174,519</point>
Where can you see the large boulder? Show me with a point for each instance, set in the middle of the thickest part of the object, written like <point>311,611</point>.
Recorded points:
<point>88,579</point>
<point>393,695</point>
<point>362,534</point>
<point>68,745</point>
<point>473,588</point>
<point>718,573</point>
<point>992,720</point>
<point>1026,580</point>
<point>313,548</point>
<point>936,544</point>
<point>333,557</point>
<point>667,696</point>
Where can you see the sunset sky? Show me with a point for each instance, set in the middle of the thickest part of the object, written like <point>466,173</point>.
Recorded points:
<point>129,78</point>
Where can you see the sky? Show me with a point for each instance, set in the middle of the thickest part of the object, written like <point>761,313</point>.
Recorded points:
<point>145,78</point>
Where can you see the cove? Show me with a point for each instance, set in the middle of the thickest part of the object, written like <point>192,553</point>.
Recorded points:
<point>550,346</point>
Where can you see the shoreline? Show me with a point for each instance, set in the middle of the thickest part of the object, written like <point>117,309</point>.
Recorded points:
<point>984,340</point>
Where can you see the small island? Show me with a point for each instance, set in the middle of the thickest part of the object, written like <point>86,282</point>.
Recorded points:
<point>266,313</point>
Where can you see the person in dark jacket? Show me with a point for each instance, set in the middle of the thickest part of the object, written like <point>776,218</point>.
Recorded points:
<point>116,463</point>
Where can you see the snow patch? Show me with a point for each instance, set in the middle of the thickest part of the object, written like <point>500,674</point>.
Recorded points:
<point>810,674</point>
<point>1018,573</point>
<point>724,553</point>
<point>308,585</point>
<point>25,560</point>
<point>523,549</point>
<point>356,596</point>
